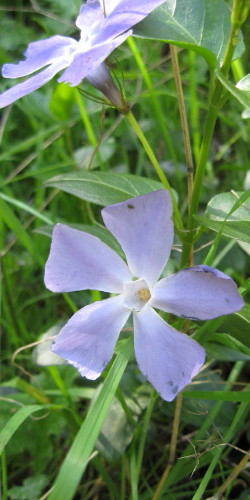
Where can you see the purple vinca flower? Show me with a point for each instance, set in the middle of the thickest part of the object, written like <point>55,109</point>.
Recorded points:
<point>100,35</point>
<point>78,261</point>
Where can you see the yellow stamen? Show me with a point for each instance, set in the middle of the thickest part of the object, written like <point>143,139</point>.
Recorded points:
<point>144,294</point>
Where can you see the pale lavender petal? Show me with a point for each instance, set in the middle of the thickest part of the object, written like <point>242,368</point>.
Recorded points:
<point>79,261</point>
<point>144,229</point>
<point>31,84</point>
<point>90,17</point>
<point>198,292</point>
<point>167,358</point>
<point>87,341</point>
<point>41,53</point>
<point>124,16</point>
<point>86,61</point>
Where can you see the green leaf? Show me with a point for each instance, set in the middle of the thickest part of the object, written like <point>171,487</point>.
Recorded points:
<point>25,207</point>
<point>12,222</point>
<point>235,225</point>
<point>121,421</point>
<point>103,188</point>
<point>199,25</point>
<point>238,325</point>
<point>224,347</point>
<point>16,420</point>
<point>83,445</point>
<point>241,91</point>
<point>236,396</point>
<point>31,488</point>
<point>89,156</point>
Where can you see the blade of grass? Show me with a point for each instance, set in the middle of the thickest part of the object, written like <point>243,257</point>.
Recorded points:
<point>12,222</point>
<point>156,106</point>
<point>228,436</point>
<point>77,458</point>
<point>236,396</point>
<point>16,420</point>
<point>24,145</point>
<point>26,208</point>
<point>178,467</point>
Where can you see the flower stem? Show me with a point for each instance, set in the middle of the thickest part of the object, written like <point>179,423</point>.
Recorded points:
<point>239,12</point>
<point>137,129</point>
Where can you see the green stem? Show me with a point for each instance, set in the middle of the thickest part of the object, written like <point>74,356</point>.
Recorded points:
<point>4,477</point>
<point>239,12</point>
<point>173,445</point>
<point>85,119</point>
<point>137,129</point>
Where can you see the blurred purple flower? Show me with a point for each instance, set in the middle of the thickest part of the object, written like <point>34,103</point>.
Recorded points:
<point>78,261</point>
<point>100,35</point>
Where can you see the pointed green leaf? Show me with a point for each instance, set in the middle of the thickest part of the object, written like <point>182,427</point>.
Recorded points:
<point>235,225</point>
<point>12,222</point>
<point>241,91</point>
<point>103,188</point>
<point>16,420</point>
<point>238,325</point>
<point>77,458</point>
<point>225,347</point>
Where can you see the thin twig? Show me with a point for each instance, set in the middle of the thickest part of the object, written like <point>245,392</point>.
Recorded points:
<point>235,472</point>
<point>184,123</point>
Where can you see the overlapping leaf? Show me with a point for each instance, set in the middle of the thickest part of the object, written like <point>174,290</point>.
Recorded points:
<point>218,216</point>
<point>200,25</point>
<point>103,188</point>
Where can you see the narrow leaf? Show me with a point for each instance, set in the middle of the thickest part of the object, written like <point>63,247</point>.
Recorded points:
<point>237,396</point>
<point>16,420</point>
<point>76,460</point>
<point>103,188</point>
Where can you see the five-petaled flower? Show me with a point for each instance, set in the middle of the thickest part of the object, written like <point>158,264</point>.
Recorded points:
<point>100,35</point>
<point>77,261</point>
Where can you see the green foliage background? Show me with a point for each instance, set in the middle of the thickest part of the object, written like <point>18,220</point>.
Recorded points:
<point>62,157</point>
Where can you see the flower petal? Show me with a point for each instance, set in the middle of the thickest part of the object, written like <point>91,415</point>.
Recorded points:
<point>87,341</point>
<point>90,18</point>
<point>168,359</point>
<point>78,261</point>
<point>39,54</point>
<point>88,59</point>
<point>144,229</point>
<point>31,84</point>
<point>198,292</point>
<point>124,16</point>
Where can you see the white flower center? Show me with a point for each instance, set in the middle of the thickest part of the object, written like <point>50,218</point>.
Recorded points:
<point>136,294</point>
